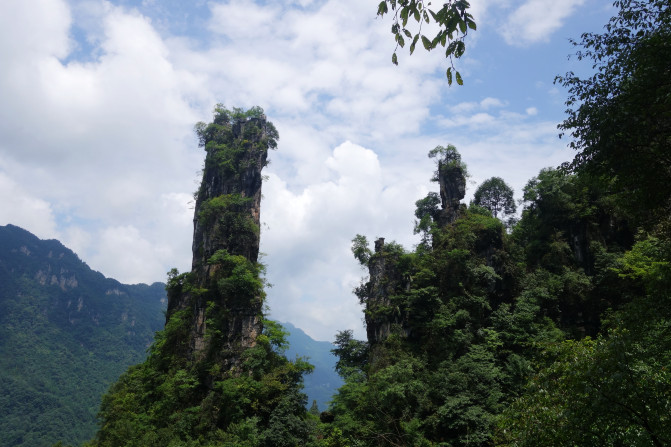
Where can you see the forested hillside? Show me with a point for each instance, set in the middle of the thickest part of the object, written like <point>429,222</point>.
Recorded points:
<point>552,330</point>
<point>66,333</point>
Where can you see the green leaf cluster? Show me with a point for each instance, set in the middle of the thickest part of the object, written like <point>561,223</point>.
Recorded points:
<point>496,196</point>
<point>236,140</point>
<point>618,117</point>
<point>453,22</point>
<point>229,215</point>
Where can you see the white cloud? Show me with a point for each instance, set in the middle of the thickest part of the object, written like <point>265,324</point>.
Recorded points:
<point>243,19</point>
<point>489,102</point>
<point>33,28</point>
<point>126,253</point>
<point>98,150</point>
<point>107,143</point>
<point>469,107</point>
<point>476,120</point>
<point>79,240</point>
<point>309,232</point>
<point>535,20</point>
<point>329,62</point>
<point>21,209</point>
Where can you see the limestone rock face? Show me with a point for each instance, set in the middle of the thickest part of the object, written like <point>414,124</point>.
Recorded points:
<point>243,178</point>
<point>452,190</point>
<point>385,281</point>
<point>226,238</point>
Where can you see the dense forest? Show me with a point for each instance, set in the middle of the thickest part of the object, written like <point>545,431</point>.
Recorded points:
<point>551,328</point>
<point>554,329</point>
<point>66,333</point>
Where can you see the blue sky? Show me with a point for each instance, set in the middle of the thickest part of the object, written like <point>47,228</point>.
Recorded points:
<point>100,98</point>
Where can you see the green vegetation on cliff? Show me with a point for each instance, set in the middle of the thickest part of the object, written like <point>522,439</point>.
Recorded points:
<point>556,333</point>
<point>66,333</point>
<point>216,374</point>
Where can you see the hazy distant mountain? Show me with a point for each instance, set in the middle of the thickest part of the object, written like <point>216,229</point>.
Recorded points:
<point>66,333</point>
<point>324,381</point>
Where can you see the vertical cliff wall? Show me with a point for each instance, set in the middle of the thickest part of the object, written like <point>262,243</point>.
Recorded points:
<point>223,294</point>
<point>385,282</point>
<point>383,293</point>
<point>451,176</point>
<point>215,375</point>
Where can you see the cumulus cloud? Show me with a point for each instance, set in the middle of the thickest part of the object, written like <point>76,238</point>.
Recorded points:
<point>524,22</point>
<point>104,141</point>
<point>22,209</point>
<point>124,250</point>
<point>309,234</point>
<point>39,28</point>
<point>97,148</point>
<point>535,20</point>
<point>243,19</point>
<point>328,64</point>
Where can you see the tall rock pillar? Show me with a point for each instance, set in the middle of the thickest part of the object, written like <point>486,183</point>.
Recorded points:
<point>452,180</point>
<point>222,296</point>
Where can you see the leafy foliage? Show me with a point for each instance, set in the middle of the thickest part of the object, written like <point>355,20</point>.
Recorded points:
<point>446,158</point>
<point>452,19</point>
<point>554,334</point>
<point>352,354</point>
<point>610,391</point>
<point>360,249</point>
<point>439,375</point>
<point>164,401</point>
<point>236,140</point>
<point>619,116</point>
<point>615,389</point>
<point>427,212</point>
<point>496,196</point>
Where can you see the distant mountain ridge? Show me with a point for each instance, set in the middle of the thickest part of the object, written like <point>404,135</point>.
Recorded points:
<point>322,384</point>
<point>66,333</point>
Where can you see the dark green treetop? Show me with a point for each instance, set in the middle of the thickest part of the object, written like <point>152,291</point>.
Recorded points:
<point>620,116</point>
<point>495,195</point>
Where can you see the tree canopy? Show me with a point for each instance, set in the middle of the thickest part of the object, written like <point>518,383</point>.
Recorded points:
<point>620,116</point>
<point>495,195</point>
